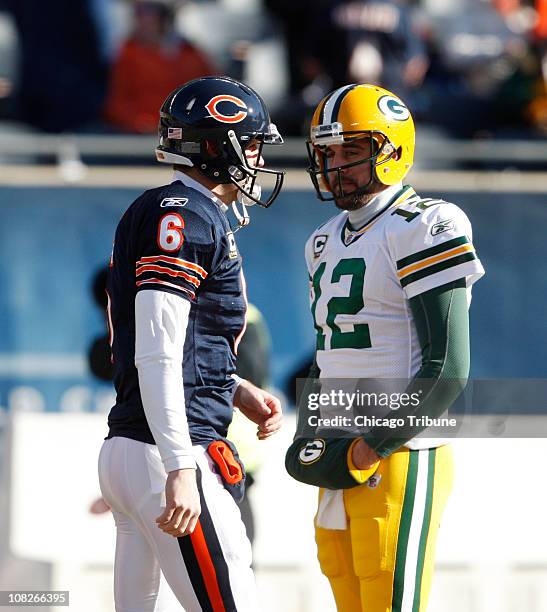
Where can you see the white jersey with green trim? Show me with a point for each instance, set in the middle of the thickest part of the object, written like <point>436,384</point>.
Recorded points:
<point>361,281</point>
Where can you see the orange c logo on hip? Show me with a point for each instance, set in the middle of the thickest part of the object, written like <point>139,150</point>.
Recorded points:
<point>211,106</point>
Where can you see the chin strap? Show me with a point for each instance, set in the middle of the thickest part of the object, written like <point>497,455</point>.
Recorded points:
<point>244,201</point>
<point>242,216</point>
<point>254,194</point>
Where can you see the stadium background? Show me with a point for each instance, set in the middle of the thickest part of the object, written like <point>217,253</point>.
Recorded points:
<point>58,210</point>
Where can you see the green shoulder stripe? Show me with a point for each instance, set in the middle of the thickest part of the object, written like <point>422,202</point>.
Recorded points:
<point>434,250</point>
<point>439,267</point>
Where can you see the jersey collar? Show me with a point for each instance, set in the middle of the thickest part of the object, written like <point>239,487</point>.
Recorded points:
<point>193,184</point>
<point>357,219</point>
<point>389,198</point>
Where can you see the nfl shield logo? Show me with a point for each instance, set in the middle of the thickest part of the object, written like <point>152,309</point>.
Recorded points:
<point>374,481</point>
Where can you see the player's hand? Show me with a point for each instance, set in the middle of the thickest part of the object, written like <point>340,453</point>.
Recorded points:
<point>260,407</point>
<point>182,508</point>
<point>99,506</point>
<point>363,456</point>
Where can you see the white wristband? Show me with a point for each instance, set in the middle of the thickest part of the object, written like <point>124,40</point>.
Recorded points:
<point>238,379</point>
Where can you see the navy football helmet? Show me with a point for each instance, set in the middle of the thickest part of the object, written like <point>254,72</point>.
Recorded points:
<point>208,123</point>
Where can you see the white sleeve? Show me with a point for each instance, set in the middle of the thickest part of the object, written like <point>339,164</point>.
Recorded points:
<point>161,319</point>
<point>434,247</point>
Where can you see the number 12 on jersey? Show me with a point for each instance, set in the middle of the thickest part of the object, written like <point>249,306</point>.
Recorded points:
<point>359,338</point>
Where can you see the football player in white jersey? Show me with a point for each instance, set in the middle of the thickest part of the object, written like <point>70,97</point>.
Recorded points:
<point>390,278</point>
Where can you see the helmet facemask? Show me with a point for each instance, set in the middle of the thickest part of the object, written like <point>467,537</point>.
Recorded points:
<point>245,174</point>
<point>320,174</point>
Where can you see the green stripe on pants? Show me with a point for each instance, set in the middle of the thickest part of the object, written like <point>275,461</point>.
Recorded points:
<point>404,531</point>
<point>425,528</point>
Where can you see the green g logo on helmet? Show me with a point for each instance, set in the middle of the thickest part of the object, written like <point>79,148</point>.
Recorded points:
<point>393,108</point>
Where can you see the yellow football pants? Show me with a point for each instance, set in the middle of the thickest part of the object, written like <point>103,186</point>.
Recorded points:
<point>383,561</point>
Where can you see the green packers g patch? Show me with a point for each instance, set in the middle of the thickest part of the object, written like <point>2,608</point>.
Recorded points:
<point>312,451</point>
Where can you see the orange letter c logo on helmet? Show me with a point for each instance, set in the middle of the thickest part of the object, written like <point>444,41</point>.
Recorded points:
<point>211,106</point>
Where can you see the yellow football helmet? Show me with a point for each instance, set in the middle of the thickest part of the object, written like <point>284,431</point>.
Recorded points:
<point>358,111</point>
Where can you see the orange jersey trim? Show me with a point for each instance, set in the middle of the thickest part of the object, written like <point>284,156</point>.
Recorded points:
<point>175,261</point>
<point>160,282</point>
<point>169,272</point>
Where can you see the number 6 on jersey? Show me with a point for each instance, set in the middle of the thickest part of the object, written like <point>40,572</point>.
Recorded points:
<point>170,236</point>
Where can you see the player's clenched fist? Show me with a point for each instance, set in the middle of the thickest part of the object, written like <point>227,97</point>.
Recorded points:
<point>182,507</point>
<point>364,457</point>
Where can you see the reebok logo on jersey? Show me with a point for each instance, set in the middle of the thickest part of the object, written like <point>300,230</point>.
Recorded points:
<point>442,226</point>
<point>319,243</point>
<point>312,451</point>
<point>173,202</point>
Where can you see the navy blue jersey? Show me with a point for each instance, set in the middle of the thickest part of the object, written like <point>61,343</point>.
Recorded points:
<point>177,239</point>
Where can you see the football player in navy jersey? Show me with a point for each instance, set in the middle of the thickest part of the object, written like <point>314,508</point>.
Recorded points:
<point>176,307</point>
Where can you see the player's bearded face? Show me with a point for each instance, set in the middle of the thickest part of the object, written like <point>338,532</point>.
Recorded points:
<point>345,183</point>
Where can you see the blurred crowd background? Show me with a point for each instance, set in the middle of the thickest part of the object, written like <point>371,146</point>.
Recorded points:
<point>469,69</point>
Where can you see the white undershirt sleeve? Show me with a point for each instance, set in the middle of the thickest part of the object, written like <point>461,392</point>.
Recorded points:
<point>161,319</point>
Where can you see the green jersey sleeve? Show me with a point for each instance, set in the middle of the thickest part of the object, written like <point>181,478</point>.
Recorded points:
<point>442,323</point>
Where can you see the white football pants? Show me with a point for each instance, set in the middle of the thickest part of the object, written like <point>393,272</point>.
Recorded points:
<point>208,570</point>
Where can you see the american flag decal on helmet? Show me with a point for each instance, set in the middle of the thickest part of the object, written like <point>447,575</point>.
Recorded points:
<point>174,133</point>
